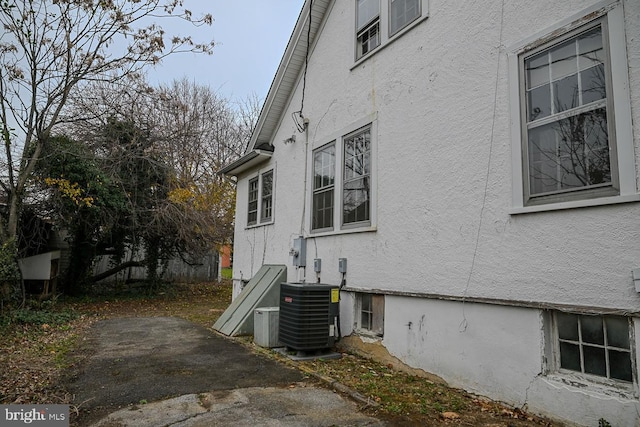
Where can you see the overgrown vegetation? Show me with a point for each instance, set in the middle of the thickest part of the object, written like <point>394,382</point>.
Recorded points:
<point>10,289</point>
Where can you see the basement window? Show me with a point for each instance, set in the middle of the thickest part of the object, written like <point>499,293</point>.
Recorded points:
<point>599,347</point>
<point>370,314</point>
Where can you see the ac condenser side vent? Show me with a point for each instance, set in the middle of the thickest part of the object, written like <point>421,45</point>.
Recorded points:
<point>308,316</point>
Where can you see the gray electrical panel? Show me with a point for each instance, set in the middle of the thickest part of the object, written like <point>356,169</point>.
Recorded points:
<point>299,252</point>
<point>342,265</point>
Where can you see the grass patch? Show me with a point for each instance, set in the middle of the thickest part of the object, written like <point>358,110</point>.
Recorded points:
<point>227,273</point>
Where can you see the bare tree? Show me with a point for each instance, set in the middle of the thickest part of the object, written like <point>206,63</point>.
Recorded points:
<point>48,49</point>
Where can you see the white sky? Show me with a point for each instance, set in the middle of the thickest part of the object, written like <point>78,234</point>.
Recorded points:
<point>251,37</point>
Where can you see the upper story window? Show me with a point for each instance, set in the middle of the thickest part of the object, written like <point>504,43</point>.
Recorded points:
<point>368,26</point>
<point>252,211</point>
<point>260,199</point>
<point>402,13</point>
<point>574,140</point>
<point>378,21</point>
<point>342,196</point>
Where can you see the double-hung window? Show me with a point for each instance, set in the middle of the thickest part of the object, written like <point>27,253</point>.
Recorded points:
<point>368,34</point>
<point>260,199</point>
<point>568,117</point>
<point>574,133</point>
<point>252,211</point>
<point>378,21</point>
<point>342,183</point>
<point>324,177</point>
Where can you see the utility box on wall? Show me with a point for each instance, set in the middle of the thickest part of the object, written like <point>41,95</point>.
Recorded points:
<point>265,328</point>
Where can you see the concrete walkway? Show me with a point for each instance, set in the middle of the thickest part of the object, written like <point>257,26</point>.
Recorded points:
<point>169,372</point>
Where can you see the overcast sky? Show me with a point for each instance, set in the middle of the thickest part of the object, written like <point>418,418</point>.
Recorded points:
<point>251,37</point>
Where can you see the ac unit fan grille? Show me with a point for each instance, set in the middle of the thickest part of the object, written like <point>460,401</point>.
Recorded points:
<point>307,316</point>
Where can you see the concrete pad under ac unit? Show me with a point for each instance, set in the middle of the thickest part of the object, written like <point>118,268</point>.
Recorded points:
<point>263,290</point>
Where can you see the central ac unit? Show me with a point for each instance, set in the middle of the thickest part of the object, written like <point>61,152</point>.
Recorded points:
<point>308,316</point>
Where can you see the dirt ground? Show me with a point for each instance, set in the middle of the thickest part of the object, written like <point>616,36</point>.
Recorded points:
<point>45,357</point>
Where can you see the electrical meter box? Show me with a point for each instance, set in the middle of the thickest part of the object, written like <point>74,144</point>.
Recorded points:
<point>299,252</point>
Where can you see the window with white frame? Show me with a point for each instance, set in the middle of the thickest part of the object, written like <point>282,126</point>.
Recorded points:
<point>574,138</point>
<point>342,183</point>
<point>267,197</point>
<point>260,199</point>
<point>324,176</point>
<point>595,345</point>
<point>370,314</point>
<point>252,211</point>
<point>378,21</point>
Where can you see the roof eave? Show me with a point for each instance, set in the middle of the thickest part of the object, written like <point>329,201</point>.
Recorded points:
<point>288,71</point>
<point>246,162</point>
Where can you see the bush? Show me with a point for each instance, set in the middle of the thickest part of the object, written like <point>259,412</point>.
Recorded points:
<point>9,273</point>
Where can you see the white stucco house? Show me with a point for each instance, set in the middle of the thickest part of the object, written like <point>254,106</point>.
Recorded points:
<point>476,164</point>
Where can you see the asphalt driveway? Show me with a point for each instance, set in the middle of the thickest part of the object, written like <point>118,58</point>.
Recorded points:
<point>165,371</point>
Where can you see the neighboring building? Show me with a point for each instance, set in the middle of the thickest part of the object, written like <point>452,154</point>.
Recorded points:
<point>476,163</point>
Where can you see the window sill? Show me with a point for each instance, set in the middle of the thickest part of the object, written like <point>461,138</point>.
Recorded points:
<point>389,41</point>
<point>601,201</point>
<point>607,388</point>
<point>343,231</point>
<point>368,335</point>
<point>262,224</point>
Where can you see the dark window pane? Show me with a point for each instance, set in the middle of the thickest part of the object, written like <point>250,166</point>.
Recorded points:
<point>570,356</point>
<point>322,210</point>
<point>620,365</point>
<point>593,84</point>
<point>592,329</point>
<point>594,360</point>
<point>565,94</point>
<point>539,102</point>
<point>617,332</point>
<point>365,302</point>
<point>567,326</point>
<point>356,200</point>
<point>365,320</point>
<point>569,153</point>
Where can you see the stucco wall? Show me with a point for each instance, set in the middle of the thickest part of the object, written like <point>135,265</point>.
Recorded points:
<point>437,145</point>
<point>442,216</point>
